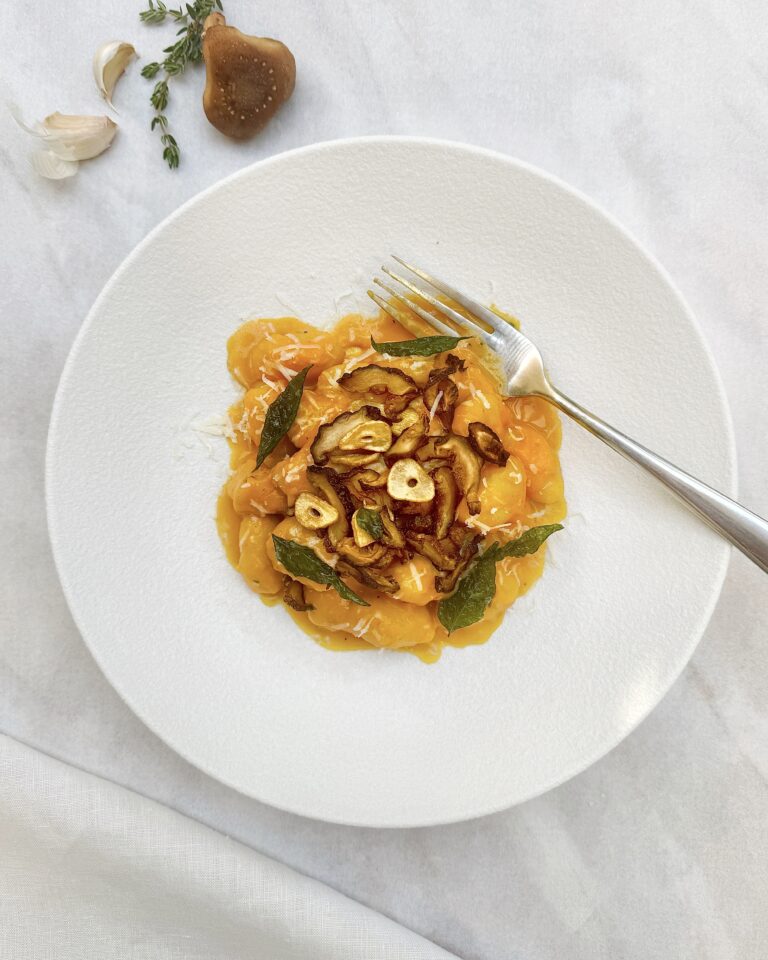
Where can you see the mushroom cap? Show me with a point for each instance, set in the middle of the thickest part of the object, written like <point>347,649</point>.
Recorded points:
<point>247,80</point>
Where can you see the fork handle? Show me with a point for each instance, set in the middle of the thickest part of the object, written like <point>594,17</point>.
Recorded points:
<point>744,529</point>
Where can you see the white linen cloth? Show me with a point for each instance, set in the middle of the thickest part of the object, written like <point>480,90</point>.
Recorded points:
<point>90,871</point>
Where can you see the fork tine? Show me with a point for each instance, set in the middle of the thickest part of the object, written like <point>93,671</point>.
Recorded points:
<point>466,325</point>
<point>398,317</point>
<point>481,312</point>
<point>435,322</point>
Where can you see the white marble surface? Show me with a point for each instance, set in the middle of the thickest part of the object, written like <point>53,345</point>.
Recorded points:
<point>659,111</point>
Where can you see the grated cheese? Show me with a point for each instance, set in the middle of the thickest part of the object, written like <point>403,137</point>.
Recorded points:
<point>486,527</point>
<point>242,424</point>
<point>415,574</point>
<point>481,396</point>
<point>288,352</point>
<point>285,371</point>
<point>435,404</point>
<point>349,366</point>
<point>214,426</point>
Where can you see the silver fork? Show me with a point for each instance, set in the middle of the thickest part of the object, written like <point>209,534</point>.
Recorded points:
<point>527,377</point>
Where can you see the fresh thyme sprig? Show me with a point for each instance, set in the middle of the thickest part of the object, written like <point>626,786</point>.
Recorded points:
<point>188,49</point>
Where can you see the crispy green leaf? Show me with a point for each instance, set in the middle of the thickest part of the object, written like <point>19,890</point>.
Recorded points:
<point>280,415</point>
<point>301,561</point>
<point>475,590</point>
<point>529,542</point>
<point>473,593</point>
<point>370,521</point>
<point>420,347</point>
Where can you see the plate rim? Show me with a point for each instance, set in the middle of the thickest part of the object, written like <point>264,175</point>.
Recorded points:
<point>730,488</point>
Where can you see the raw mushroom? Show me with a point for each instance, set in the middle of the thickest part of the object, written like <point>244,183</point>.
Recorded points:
<point>247,78</point>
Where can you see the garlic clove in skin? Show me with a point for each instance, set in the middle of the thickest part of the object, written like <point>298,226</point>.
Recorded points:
<point>109,63</point>
<point>70,136</point>
<point>78,137</point>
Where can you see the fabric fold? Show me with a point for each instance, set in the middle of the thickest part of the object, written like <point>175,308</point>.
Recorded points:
<point>91,870</point>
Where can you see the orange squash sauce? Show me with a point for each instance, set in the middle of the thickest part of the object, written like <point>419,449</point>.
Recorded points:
<point>263,355</point>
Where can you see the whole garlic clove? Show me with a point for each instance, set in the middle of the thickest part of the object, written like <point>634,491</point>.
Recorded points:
<point>70,137</point>
<point>75,137</point>
<point>65,139</point>
<point>109,63</point>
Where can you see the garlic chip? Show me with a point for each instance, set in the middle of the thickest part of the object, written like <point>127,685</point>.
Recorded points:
<point>109,63</point>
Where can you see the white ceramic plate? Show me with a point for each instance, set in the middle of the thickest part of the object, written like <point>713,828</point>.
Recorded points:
<point>233,686</point>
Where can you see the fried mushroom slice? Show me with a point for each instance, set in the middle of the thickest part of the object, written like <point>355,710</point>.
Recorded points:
<point>486,442</point>
<point>440,398</point>
<point>444,554</point>
<point>293,595</point>
<point>453,364</point>
<point>415,517</point>
<point>360,556</point>
<point>328,485</point>
<point>409,440</point>
<point>446,582</point>
<point>466,467</point>
<point>446,500</point>
<point>330,435</point>
<point>370,578</point>
<point>428,450</point>
<point>413,413</point>
<point>361,482</point>
<point>393,535</point>
<point>379,380</point>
